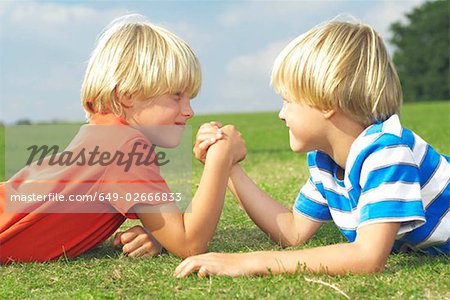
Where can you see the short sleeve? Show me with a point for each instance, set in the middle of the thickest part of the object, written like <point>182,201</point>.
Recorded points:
<point>311,203</point>
<point>135,183</point>
<point>390,189</point>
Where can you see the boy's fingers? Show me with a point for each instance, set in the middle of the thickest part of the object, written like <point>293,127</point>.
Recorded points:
<point>207,135</point>
<point>202,146</point>
<point>188,268</point>
<point>203,272</point>
<point>139,252</point>
<point>117,239</point>
<point>147,249</point>
<point>138,242</point>
<point>201,134</point>
<point>209,128</point>
<point>217,124</point>
<point>182,264</point>
<point>136,229</point>
<point>206,143</point>
<point>127,237</point>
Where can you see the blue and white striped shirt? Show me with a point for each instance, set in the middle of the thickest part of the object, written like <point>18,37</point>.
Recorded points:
<point>391,175</point>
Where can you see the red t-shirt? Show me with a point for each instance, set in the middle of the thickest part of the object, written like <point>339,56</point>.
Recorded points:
<point>45,230</point>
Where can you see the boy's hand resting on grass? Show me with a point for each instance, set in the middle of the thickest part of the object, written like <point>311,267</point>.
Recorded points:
<point>229,264</point>
<point>224,137</point>
<point>137,242</point>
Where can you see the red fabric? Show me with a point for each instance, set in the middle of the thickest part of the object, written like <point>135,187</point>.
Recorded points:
<point>36,235</point>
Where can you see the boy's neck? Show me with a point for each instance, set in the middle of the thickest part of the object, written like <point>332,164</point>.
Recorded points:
<point>342,132</point>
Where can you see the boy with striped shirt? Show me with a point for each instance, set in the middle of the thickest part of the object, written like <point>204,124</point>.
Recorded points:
<point>382,185</point>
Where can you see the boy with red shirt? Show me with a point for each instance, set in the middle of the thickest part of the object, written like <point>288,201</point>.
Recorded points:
<point>139,76</point>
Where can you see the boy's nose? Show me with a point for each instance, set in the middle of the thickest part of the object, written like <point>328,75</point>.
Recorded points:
<point>281,115</point>
<point>188,112</point>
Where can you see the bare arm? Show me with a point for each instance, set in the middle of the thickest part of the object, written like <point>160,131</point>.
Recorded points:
<point>368,254</point>
<point>282,225</point>
<point>189,234</point>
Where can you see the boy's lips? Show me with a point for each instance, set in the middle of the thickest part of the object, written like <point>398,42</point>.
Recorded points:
<point>180,123</point>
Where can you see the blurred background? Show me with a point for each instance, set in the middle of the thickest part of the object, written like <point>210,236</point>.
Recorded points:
<point>45,47</point>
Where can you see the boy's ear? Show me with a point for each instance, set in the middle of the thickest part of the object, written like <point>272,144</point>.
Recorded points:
<point>328,113</point>
<point>124,99</point>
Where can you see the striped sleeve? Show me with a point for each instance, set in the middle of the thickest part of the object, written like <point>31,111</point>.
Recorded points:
<point>390,189</point>
<point>311,203</point>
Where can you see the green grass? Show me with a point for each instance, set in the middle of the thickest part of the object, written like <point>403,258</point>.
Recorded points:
<point>104,273</point>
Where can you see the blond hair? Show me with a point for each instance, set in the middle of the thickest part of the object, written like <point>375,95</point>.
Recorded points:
<point>133,57</point>
<point>340,65</point>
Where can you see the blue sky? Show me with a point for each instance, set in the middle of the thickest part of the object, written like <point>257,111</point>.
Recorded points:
<point>45,46</point>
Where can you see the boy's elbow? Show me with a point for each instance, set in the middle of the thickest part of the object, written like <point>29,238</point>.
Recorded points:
<point>286,242</point>
<point>370,263</point>
<point>373,267</point>
<point>194,251</point>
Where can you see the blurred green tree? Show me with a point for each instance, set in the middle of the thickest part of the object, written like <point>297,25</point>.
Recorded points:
<point>422,51</point>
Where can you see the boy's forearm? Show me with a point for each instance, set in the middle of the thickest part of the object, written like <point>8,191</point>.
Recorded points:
<point>273,218</point>
<point>335,259</point>
<point>200,224</point>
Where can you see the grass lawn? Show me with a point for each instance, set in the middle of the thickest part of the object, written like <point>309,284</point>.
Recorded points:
<point>104,273</point>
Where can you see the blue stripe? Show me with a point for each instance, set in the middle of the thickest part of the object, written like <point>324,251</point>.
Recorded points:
<point>354,194</point>
<point>408,138</point>
<point>429,165</point>
<point>311,158</point>
<point>394,173</point>
<point>349,234</point>
<point>338,201</point>
<point>391,209</point>
<point>324,162</point>
<point>433,214</point>
<point>321,189</point>
<point>380,143</point>
<point>375,128</point>
<point>312,208</point>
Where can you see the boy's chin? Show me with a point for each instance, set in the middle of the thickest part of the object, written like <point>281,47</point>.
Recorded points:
<point>167,144</point>
<point>166,141</point>
<point>164,136</point>
<point>298,147</point>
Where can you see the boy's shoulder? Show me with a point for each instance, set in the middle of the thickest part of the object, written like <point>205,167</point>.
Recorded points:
<point>388,135</point>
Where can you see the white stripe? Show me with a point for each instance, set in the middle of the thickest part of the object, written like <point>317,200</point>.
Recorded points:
<point>440,234</point>
<point>309,190</point>
<point>437,183</point>
<point>385,157</point>
<point>400,191</point>
<point>358,145</point>
<point>393,126</point>
<point>328,181</point>
<point>346,220</point>
<point>420,149</point>
<point>295,210</point>
<point>407,223</point>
